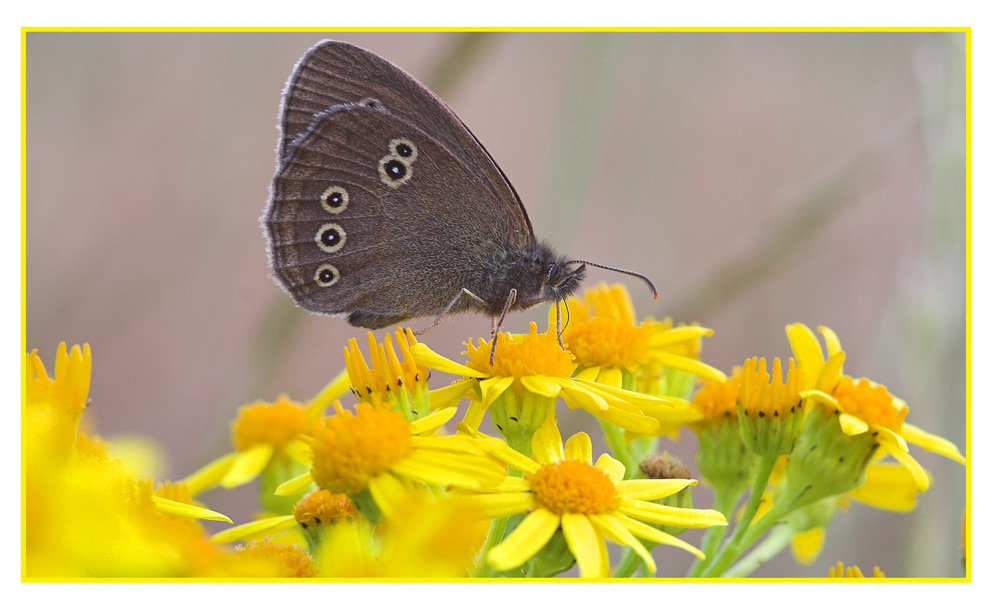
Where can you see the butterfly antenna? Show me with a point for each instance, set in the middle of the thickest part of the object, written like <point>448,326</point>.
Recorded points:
<point>643,278</point>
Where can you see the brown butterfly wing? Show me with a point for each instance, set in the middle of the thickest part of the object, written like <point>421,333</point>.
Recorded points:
<point>333,73</point>
<point>399,248</point>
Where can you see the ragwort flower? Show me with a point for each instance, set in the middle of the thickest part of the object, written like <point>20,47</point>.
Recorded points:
<point>376,454</point>
<point>528,372</point>
<point>564,491</point>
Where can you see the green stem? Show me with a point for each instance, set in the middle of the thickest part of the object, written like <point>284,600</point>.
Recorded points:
<point>736,547</point>
<point>733,546</point>
<point>774,544</point>
<point>480,569</point>
<point>725,503</point>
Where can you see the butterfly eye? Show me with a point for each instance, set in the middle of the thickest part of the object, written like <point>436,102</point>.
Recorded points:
<point>334,199</point>
<point>394,171</point>
<point>371,102</point>
<point>331,237</point>
<point>326,275</point>
<point>405,149</point>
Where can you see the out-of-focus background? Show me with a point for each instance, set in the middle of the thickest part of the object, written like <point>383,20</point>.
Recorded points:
<point>757,178</point>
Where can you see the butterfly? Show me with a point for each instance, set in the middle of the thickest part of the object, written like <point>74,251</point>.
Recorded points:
<point>385,206</point>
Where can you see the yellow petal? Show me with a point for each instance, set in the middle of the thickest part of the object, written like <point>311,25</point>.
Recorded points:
<point>806,349</point>
<point>626,396</point>
<point>831,372</point>
<point>299,451</point>
<point>182,509</point>
<point>294,485</point>
<point>497,505</point>
<point>656,535</point>
<point>330,393</point>
<point>807,545</point>
<point>887,486</point>
<point>933,443</point>
<point>493,388</point>
<point>578,447</point>
<point>611,376</point>
<point>448,396</point>
<point>821,397</point>
<point>588,373</point>
<point>428,358</point>
<point>209,475</point>
<point>586,544</point>
<point>688,364</point>
<point>832,341</point>
<point>546,443</point>
<point>541,385</point>
<point>391,496</point>
<point>577,394</point>
<point>611,467</point>
<point>613,528</point>
<point>852,425</point>
<point>671,516</point>
<point>450,469</point>
<point>473,417</point>
<point>253,529</point>
<point>247,465</point>
<point>432,422</point>
<point>652,489</point>
<point>920,478</point>
<point>525,541</point>
<point>678,335</point>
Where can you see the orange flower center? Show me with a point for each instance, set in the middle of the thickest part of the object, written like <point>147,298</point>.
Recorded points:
<point>530,354</point>
<point>718,399</point>
<point>323,507</point>
<point>349,450</point>
<point>272,423</point>
<point>607,342</point>
<point>873,404</point>
<point>572,486</point>
<point>270,559</point>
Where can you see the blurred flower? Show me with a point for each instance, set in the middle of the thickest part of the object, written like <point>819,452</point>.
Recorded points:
<point>839,571</point>
<point>266,559</point>
<point>432,539</point>
<point>84,513</point>
<point>268,445</point>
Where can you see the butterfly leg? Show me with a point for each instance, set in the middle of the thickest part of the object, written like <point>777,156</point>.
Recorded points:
<point>498,323</point>
<point>458,295</point>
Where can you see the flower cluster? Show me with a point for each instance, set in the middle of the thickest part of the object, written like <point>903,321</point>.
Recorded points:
<point>408,481</point>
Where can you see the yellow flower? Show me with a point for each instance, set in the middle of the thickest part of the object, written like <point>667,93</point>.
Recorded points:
<point>393,381</point>
<point>862,406</point>
<point>85,515</point>
<point>377,454</point>
<point>839,571</point>
<point>266,559</point>
<point>770,410</point>
<point>265,435</point>
<point>564,491</point>
<point>435,539</point>
<point>313,511</point>
<point>608,343</point>
<point>527,374</point>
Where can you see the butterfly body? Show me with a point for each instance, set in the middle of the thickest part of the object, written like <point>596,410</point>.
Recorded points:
<point>385,206</point>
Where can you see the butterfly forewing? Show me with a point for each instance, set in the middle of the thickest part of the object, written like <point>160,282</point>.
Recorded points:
<point>333,73</point>
<point>370,214</point>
